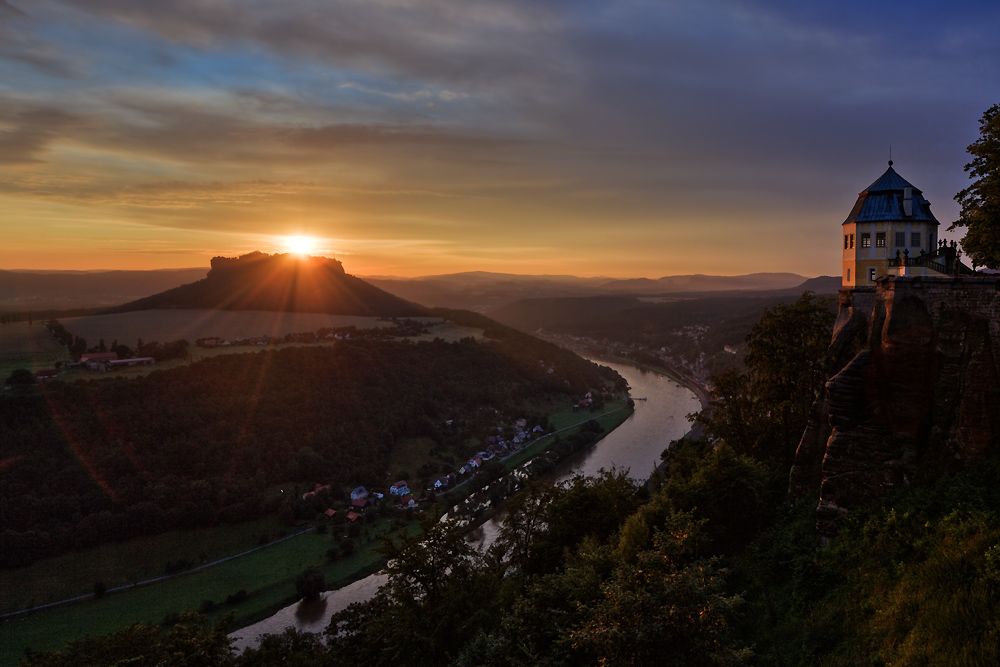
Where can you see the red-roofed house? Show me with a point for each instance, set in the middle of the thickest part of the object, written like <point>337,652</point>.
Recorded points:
<point>353,516</point>
<point>330,513</point>
<point>400,488</point>
<point>407,501</point>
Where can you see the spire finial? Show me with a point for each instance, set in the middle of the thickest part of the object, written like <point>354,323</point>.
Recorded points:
<point>890,155</point>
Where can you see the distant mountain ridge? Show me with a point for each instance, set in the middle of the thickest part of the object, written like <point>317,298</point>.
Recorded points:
<point>279,283</point>
<point>482,291</point>
<point>35,290</point>
<point>699,282</point>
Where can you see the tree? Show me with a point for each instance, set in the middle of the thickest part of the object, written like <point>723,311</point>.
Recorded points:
<point>662,610</point>
<point>21,377</point>
<point>310,583</point>
<point>192,642</point>
<point>981,201</point>
<point>438,592</point>
<point>763,411</point>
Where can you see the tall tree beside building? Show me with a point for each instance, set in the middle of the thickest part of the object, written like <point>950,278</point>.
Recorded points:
<point>981,200</point>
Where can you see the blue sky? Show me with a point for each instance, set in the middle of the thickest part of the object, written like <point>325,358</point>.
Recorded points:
<point>632,138</point>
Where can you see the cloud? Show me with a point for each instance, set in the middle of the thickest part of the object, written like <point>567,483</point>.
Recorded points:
<point>443,95</point>
<point>468,43</point>
<point>8,11</point>
<point>31,132</point>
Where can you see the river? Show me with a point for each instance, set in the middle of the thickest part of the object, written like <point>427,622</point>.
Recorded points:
<point>636,444</point>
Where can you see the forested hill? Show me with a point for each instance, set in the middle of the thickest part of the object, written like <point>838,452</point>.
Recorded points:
<point>281,283</point>
<point>88,462</point>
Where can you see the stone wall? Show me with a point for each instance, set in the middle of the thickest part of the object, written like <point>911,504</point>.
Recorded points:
<point>918,396</point>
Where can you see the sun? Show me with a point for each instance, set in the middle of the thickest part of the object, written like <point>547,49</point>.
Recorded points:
<point>300,245</point>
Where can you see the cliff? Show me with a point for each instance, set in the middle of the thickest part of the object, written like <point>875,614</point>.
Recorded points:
<point>918,397</point>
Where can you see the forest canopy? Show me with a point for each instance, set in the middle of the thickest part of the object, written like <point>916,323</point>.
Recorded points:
<point>102,460</point>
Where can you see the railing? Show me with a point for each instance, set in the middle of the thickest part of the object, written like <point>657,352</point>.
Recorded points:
<point>949,263</point>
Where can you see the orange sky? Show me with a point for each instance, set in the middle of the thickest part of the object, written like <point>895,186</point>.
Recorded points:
<point>414,138</point>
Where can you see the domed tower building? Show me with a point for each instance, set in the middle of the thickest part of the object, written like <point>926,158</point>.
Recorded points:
<point>891,231</point>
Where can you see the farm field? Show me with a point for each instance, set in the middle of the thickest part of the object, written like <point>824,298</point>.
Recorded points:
<point>30,346</point>
<point>267,575</point>
<point>169,325</point>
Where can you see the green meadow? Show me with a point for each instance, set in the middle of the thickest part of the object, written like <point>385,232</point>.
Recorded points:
<point>267,574</point>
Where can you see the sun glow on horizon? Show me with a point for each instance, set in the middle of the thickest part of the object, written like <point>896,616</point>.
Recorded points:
<point>300,245</point>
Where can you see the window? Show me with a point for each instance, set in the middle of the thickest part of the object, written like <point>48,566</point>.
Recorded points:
<point>845,242</point>
<point>871,274</point>
<point>852,240</point>
<point>879,239</point>
<point>915,239</point>
<point>866,240</point>
<point>848,275</point>
<point>900,239</point>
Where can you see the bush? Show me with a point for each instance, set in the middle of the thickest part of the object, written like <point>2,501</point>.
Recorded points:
<point>237,597</point>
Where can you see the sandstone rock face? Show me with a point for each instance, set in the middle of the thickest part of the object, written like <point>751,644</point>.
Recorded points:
<point>921,398</point>
<point>850,334</point>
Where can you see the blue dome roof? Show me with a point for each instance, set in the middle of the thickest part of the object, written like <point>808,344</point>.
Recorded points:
<point>883,201</point>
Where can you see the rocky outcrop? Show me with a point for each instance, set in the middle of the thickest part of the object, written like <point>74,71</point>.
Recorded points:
<point>850,335</point>
<point>921,398</point>
<point>280,283</point>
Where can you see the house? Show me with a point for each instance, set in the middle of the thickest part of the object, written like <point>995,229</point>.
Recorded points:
<point>400,488</point>
<point>360,503</point>
<point>97,357</point>
<point>441,482</point>
<point>319,487</point>
<point>473,463</point>
<point>537,429</point>
<point>330,513</point>
<point>48,374</point>
<point>521,422</point>
<point>359,492</point>
<point>352,517</point>
<point>891,231</point>
<point>407,501</point>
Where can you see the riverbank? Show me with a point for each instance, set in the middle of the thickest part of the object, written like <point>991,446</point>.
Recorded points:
<point>264,574</point>
<point>699,387</point>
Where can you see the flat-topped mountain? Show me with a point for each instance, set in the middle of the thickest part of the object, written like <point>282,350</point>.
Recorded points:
<point>281,283</point>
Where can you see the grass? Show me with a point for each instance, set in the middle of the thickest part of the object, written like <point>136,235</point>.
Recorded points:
<point>74,574</point>
<point>610,416</point>
<point>268,576</point>
<point>30,346</point>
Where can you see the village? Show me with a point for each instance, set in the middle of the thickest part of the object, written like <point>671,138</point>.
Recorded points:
<point>400,496</point>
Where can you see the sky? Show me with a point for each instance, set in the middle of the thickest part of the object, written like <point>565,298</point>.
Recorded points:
<point>622,138</point>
